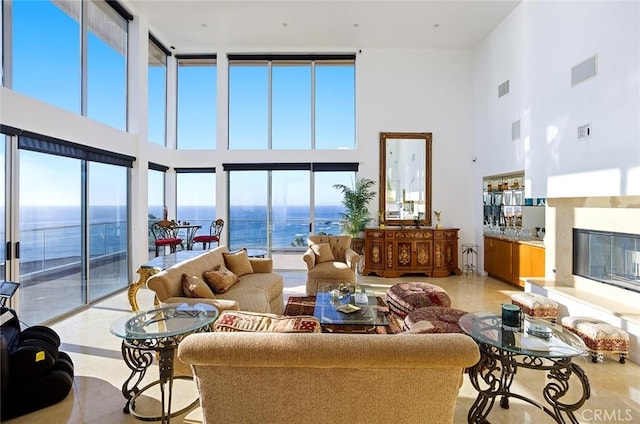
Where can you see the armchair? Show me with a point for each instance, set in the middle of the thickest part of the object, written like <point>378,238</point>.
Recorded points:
<point>330,260</point>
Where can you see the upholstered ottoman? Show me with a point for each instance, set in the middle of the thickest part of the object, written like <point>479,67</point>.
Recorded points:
<point>536,305</point>
<point>403,298</point>
<point>600,337</point>
<point>434,319</point>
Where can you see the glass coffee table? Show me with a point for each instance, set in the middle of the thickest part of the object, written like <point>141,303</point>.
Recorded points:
<point>158,330</point>
<point>538,345</point>
<point>349,305</point>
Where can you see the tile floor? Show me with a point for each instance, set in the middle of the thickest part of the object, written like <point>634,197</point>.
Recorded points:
<point>96,396</point>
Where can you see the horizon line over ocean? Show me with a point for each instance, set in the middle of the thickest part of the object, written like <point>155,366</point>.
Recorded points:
<point>53,232</point>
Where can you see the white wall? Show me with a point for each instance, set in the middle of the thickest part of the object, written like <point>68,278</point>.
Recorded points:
<point>423,91</point>
<point>535,48</point>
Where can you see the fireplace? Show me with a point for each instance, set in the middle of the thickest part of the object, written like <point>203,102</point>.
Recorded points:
<point>607,257</point>
<point>592,258</point>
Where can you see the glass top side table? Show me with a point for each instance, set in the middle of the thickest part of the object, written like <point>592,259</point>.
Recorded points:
<point>538,345</point>
<point>158,330</point>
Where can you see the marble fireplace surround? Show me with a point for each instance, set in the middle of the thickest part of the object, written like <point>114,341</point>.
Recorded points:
<point>578,295</point>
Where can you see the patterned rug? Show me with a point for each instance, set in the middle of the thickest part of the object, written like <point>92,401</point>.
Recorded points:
<point>305,306</point>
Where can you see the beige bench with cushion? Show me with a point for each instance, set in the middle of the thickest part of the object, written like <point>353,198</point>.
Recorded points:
<point>600,337</point>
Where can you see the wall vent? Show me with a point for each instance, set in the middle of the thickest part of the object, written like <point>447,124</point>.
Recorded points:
<point>515,130</point>
<point>503,88</point>
<point>584,70</point>
<point>584,131</point>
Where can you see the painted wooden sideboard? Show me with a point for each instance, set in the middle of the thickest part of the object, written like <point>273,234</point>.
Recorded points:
<point>392,252</point>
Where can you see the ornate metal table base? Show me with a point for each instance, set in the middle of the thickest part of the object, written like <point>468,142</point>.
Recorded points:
<point>493,374</point>
<point>138,355</point>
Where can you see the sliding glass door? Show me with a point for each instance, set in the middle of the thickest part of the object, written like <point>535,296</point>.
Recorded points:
<point>50,236</point>
<point>248,206</point>
<point>290,209</point>
<point>328,201</point>
<point>67,227</point>
<point>275,210</point>
<point>108,230</point>
<point>4,272</point>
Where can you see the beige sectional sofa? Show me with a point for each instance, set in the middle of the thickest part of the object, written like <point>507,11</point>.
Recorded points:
<point>260,291</point>
<point>327,378</point>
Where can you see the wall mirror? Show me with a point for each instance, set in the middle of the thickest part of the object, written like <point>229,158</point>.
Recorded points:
<point>405,178</point>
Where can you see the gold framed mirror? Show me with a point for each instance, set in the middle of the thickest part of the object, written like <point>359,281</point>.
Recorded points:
<point>405,179</point>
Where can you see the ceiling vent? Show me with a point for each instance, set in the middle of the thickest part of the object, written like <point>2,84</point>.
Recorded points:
<point>584,70</point>
<point>503,88</point>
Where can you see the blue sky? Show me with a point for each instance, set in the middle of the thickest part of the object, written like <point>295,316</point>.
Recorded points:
<point>47,67</point>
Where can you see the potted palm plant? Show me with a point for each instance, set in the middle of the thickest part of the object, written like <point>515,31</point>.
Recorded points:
<point>356,201</point>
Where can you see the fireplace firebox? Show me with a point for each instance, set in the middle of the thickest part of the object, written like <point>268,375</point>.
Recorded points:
<point>608,257</point>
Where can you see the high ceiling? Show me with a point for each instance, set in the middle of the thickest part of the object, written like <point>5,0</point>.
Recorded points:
<point>205,26</point>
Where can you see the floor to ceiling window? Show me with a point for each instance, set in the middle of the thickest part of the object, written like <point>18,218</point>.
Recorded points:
<point>73,233</point>
<point>196,198</point>
<point>157,91</point>
<point>50,236</point>
<point>275,206</point>
<point>291,101</point>
<point>290,208</point>
<point>4,143</point>
<point>196,120</point>
<point>335,112</point>
<point>36,58</point>
<point>248,207</point>
<point>48,50</point>
<point>328,201</point>
<point>155,191</point>
<point>106,65</point>
<point>291,105</point>
<point>288,102</point>
<point>155,200</point>
<point>108,229</point>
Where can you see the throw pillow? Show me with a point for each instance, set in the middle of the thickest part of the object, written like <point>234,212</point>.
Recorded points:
<point>323,252</point>
<point>238,262</point>
<point>220,279</point>
<point>193,286</point>
<point>264,322</point>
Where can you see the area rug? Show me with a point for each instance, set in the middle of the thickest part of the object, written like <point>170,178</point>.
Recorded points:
<point>306,304</point>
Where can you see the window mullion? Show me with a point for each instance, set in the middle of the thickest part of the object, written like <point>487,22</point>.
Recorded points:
<point>84,60</point>
<point>313,105</point>
<point>270,105</point>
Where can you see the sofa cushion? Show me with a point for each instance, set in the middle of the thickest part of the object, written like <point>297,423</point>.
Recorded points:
<point>193,286</point>
<point>339,244</point>
<point>338,271</point>
<point>238,262</point>
<point>220,279</point>
<point>272,284</point>
<point>323,252</point>
<point>249,298</point>
<point>265,322</point>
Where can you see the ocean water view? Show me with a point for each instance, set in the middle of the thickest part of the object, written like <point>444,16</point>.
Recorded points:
<point>49,233</point>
